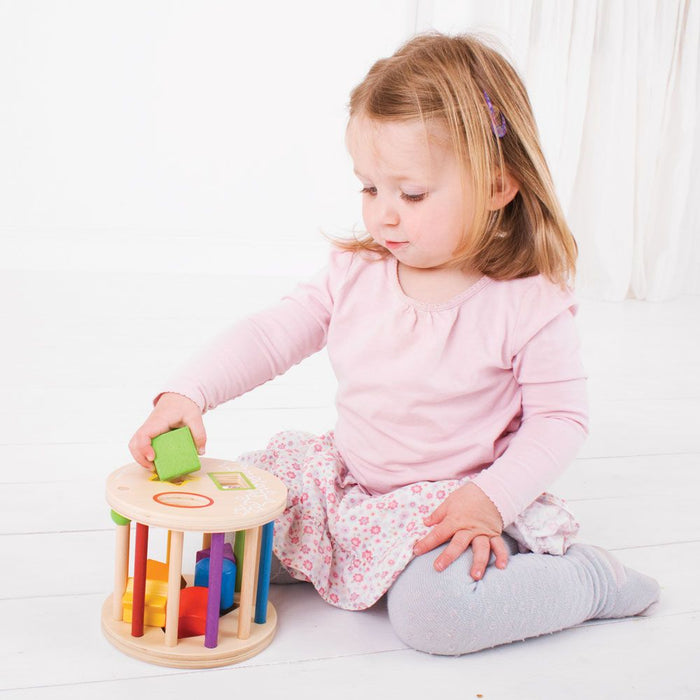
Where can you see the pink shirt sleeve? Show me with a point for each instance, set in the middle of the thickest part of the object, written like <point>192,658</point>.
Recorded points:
<point>262,346</point>
<point>554,421</point>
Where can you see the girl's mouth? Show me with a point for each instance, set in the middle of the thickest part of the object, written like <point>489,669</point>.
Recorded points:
<point>393,245</point>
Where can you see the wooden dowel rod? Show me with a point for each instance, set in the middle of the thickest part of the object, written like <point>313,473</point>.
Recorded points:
<point>216,565</point>
<point>247,580</point>
<point>139,600</point>
<point>264,574</point>
<point>172,615</point>
<point>121,569</point>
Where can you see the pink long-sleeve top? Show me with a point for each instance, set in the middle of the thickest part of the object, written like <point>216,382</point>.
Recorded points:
<point>487,385</point>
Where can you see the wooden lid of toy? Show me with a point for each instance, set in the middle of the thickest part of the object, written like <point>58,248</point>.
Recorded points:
<point>222,496</point>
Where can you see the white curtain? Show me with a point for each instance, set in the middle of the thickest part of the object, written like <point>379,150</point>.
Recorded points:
<point>615,85</point>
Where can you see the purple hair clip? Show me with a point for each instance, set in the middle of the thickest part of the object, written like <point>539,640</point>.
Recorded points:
<point>499,130</point>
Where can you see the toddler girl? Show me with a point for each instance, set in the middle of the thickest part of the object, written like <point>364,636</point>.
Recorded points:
<point>461,394</point>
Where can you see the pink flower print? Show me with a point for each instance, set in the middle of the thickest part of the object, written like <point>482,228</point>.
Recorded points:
<point>424,509</point>
<point>318,447</point>
<point>308,565</point>
<point>308,530</point>
<point>355,541</point>
<point>364,520</point>
<point>291,475</point>
<point>304,497</point>
<point>417,488</point>
<point>332,498</point>
<point>376,529</point>
<point>367,555</point>
<point>334,598</point>
<point>411,526</point>
<point>358,578</point>
<point>304,549</point>
<point>440,495</point>
<point>393,505</point>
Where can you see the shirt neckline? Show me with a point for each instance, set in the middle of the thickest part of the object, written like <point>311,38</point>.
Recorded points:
<point>457,300</point>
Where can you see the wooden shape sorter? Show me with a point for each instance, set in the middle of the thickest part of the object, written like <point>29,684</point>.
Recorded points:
<point>222,497</point>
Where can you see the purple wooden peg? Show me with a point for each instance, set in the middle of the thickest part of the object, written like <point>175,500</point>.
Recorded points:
<point>216,564</point>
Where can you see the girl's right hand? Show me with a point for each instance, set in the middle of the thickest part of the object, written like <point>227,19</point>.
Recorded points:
<point>171,411</point>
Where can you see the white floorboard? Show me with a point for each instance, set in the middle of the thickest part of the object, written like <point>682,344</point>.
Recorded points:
<point>87,353</point>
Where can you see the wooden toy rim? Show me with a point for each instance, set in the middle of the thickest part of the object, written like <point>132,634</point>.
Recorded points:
<point>130,492</point>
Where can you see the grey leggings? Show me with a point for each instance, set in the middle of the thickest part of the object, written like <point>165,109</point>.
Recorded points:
<point>449,613</point>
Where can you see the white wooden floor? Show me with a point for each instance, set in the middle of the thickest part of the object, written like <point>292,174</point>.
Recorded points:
<point>80,359</point>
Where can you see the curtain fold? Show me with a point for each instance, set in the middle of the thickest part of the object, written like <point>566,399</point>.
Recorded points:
<point>615,87</point>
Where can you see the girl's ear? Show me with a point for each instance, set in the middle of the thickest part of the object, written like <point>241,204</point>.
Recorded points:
<point>505,187</point>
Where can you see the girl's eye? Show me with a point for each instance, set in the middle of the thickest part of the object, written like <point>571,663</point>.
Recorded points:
<point>414,197</point>
<point>372,191</point>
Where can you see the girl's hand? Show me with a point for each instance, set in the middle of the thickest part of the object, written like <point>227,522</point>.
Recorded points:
<point>171,411</point>
<point>469,517</point>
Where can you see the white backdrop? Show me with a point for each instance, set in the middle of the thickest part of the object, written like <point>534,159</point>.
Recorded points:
<point>208,136</point>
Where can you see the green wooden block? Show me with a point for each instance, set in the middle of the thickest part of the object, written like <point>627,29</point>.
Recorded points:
<point>176,454</point>
<point>119,519</point>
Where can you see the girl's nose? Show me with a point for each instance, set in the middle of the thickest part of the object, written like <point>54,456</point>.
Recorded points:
<point>389,215</point>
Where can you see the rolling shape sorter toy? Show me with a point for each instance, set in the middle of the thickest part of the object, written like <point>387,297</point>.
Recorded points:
<point>221,615</point>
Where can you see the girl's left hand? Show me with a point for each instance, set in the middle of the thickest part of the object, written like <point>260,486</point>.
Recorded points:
<point>469,517</point>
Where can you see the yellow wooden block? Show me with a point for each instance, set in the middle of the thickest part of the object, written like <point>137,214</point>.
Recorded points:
<point>153,614</point>
<point>156,595</point>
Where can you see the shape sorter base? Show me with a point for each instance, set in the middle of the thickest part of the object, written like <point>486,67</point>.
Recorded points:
<point>190,652</point>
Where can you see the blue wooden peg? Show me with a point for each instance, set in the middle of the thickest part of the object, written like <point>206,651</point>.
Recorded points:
<point>264,574</point>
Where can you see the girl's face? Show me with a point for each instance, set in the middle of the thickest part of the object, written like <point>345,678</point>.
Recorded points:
<point>415,201</point>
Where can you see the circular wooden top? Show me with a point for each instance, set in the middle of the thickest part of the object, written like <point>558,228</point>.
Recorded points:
<point>222,496</point>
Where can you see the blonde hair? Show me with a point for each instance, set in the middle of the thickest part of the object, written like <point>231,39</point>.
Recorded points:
<point>448,78</point>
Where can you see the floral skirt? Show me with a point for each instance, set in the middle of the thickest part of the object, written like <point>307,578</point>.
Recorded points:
<point>352,545</point>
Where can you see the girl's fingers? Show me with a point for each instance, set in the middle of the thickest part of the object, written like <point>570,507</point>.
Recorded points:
<point>199,434</point>
<point>458,545</point>
<point>498,547</point>
<point>140,455</point>
<point>436,516</point>
<point>481,550</point>
<point>435,537</point>
<point>140,445</point>
<point>171,411</point>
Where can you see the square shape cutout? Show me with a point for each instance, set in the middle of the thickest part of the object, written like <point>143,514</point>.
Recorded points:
<point>231,481</point>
